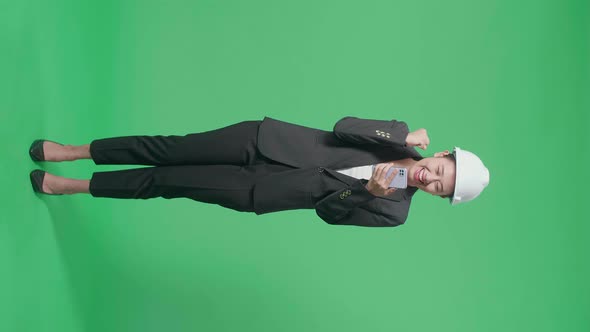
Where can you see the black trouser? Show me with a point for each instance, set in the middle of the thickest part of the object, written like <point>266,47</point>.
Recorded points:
<point>218,166</point>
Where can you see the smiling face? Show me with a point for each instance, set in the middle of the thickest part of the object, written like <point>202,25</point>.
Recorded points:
<point>434,175</point>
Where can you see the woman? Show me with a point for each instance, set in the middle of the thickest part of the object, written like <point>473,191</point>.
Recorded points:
<point>271,165</point>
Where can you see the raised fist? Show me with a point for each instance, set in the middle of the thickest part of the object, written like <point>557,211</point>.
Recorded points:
<point>418,138</point>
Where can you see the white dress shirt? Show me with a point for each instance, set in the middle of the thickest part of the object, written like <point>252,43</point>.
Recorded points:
<point>359,172</point>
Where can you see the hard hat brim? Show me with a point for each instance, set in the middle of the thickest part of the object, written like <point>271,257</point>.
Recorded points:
<point>455,200</point>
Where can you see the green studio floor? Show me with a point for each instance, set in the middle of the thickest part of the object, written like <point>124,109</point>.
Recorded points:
<point>508,80</point>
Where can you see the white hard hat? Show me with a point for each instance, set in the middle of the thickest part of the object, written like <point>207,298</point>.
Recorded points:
<point>471,176</point>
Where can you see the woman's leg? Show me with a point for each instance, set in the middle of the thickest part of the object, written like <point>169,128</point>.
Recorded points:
<point>231,145</point>
<point>234,144</point>
<point>229,186</point>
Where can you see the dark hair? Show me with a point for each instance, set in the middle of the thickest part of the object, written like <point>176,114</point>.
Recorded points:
<point>452,157</point>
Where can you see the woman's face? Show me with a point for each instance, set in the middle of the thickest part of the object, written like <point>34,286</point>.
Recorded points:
<point>434,175</point>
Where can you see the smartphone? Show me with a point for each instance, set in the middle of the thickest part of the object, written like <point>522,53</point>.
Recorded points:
<point>401,178</point>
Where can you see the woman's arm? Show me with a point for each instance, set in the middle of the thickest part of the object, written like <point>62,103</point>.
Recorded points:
<point>368,131</point>
<point>350,206</point>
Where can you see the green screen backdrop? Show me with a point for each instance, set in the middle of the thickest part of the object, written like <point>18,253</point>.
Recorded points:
<point>508,80</point>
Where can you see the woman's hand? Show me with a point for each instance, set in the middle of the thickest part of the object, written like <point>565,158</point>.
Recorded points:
<point>378,184</point>
<point>418,138</point>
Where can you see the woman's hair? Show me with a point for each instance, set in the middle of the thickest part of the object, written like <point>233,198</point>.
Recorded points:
<point>452,157</point>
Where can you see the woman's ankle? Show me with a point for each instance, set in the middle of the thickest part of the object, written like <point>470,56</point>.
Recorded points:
<point>79,152</point>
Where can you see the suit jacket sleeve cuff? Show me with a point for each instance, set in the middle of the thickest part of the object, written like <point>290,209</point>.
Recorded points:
<point>341,202</point>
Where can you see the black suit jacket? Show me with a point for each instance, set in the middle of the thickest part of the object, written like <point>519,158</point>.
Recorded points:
<point>353,142</point>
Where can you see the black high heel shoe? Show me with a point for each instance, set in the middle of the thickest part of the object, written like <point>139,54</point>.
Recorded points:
<point>37,181</point>
<point>36,149</point>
